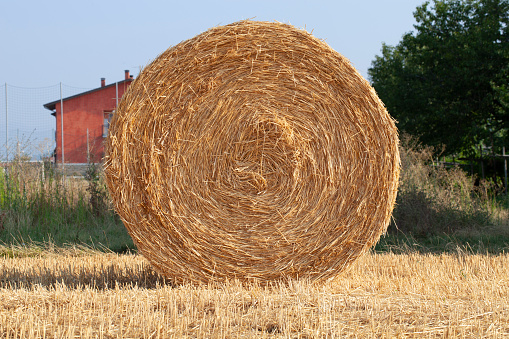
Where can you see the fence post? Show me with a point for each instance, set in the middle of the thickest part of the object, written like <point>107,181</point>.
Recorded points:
<point>6,168</point>
<point>18,152</point>
<point>62,128</point>
<point>88,149</point>
<point>42,171</point>
<point>505,170</point>
<point>6,127</point>
<point>482,163</point>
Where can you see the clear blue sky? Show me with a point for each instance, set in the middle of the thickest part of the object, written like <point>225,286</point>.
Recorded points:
<point>78,42</point>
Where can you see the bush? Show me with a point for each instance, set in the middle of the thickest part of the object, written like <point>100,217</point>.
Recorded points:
<point>37,204</point>
<point>433,199</point>
<point>99,200</point>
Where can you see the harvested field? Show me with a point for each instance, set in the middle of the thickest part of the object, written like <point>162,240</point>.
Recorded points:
<point>88,294</point>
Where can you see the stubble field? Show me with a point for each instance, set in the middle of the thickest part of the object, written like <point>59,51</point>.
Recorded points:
<point>79,293</point>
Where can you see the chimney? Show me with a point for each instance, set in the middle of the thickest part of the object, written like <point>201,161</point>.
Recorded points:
<point>103,82</point>
<point>127,74</point>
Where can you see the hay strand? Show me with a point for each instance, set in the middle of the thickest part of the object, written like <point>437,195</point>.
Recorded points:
<point>252,151</point>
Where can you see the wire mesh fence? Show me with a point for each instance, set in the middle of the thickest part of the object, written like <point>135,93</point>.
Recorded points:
<point>28,129</point>
<point>40,190</point>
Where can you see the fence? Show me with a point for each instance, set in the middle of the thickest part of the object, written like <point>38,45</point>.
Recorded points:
<point>27,128</point>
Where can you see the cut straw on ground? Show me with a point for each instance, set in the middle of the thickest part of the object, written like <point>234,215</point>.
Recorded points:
<point>99,295</point>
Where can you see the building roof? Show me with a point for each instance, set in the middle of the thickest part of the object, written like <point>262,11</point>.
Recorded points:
<point>51,105</point>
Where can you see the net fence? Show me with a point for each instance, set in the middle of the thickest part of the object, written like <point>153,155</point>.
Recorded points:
<point>27,128</point>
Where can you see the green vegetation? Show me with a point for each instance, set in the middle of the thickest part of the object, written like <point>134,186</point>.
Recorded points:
<point>476,242</point>
<point>441,209</point>
<point>438,209</point>
<point>447,82</point>
<point>37,206</point>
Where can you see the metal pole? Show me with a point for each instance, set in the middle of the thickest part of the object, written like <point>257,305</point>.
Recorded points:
<point>18,154</point>
<point>505,170</point>
<point>482,163</point>
<point>88,150</point>
<point>6,127</point>
<point>62,125</point>
<point>7,147</point>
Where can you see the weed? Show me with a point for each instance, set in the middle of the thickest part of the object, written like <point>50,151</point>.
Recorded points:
<point>37,203</point>
<point>434,200</point>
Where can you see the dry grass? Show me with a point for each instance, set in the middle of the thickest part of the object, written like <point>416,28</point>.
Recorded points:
<point>252,151</point>
<point>94,295</point>
<point>433,199</point>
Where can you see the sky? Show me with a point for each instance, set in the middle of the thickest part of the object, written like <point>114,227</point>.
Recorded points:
<point>76,43</point>
<point>47,42</point>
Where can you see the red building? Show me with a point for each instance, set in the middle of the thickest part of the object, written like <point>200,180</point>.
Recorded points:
<point>86,121</point>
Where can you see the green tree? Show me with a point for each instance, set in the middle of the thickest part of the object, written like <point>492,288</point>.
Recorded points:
<point>446,82</point>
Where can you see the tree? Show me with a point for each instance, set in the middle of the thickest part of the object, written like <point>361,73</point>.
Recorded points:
<point>446,82</point>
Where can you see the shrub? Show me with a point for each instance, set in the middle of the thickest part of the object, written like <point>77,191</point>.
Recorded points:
<point>99,199</point>
<point>36,204</point>
<point>433,199</point>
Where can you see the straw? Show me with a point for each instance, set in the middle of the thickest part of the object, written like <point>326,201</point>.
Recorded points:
<point>252,151</point>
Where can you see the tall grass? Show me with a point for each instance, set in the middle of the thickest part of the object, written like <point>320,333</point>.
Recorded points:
<point>38,204</point>
<point>433,199</point>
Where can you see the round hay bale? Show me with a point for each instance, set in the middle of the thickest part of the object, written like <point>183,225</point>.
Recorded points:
<point>252,151</point>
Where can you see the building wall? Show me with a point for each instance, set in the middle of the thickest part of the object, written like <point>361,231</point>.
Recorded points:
<point>81,113</point>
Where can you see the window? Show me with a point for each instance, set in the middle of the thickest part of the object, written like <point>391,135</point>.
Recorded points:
<point>107,119</point>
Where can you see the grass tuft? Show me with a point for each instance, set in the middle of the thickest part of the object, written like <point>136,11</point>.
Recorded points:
<point>43,207</point>
<point>434,200</point>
